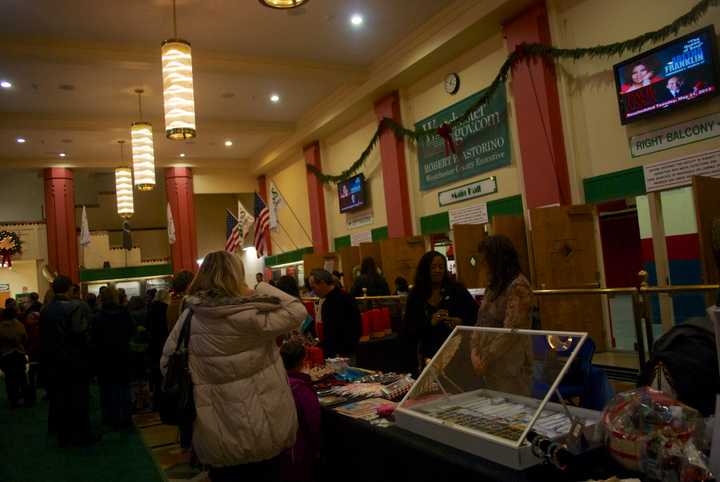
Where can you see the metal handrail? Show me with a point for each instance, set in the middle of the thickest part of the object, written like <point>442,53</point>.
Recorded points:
<point>362,298</point>
<point>677,288</point>
<point>586,291</point>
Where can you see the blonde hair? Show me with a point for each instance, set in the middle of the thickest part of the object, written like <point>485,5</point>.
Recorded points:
<point>220,271</point>
<point>163,296</point>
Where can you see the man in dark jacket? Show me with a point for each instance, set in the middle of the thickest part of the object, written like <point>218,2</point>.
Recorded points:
<point>340,315</point>
<point>65,349</point>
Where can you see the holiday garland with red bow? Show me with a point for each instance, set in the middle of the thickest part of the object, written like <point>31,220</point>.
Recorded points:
<point>523,53</point>
<point>9,244</point>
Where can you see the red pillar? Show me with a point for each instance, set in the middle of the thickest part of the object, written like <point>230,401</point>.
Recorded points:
<point>263,191</point>
<point>179,191</point>
<point>537,107</point>
<point>392,153</point>
<point>316,198</point>
<point>62,241</point>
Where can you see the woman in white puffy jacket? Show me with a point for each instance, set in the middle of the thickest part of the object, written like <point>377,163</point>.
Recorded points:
<point>246,415</point>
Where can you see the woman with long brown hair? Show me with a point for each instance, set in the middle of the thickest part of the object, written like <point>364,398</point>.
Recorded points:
<point>246,415</point>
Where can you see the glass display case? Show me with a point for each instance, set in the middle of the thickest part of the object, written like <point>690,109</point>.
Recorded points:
<point>490,391</point>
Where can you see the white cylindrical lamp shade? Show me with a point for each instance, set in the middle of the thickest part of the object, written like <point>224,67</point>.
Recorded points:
<point>178,90</point>
<point>124,192</point>
<point>143,156</point>
<point>282,4</point>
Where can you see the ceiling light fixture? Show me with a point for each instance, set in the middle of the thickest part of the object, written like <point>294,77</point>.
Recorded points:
<point>124,188</point>
<point>62,154</point>
<point>357,19</point>
<point>21,140</point>
<point>143,150</point>
<point>228,143</point>
<point>178,86</point>
<point>5,84</point>
<point>182,154</point>
<point>275,98</point>
<point>283,4</point>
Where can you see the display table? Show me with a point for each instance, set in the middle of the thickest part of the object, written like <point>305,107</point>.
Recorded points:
<point>355,450</point>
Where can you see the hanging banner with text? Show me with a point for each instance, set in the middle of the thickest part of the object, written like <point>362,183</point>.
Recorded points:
<point>360,237</point>
<point>679,172</point>
<point>686,133</point>
<point>476,214</point>
<point>483,187</point>
<point>482,142</point>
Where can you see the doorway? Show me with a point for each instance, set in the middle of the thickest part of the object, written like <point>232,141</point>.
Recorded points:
<point>622,257</point>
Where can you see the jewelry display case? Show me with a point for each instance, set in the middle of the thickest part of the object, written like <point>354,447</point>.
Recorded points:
<point>495,392</point>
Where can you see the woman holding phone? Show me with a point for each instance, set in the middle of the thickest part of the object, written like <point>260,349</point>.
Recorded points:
<point>435,305</point>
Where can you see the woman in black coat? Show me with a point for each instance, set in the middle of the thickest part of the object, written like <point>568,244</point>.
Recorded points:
<point>435,305</point>
<point>112,331</point>
<point>370,279</point>
<point>158,328</point>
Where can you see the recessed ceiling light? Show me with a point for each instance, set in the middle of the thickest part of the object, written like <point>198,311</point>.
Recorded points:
<point>21,140</point>
<point>5,84</point>
<point>356,19</point>
<point>275,98</point>
<point>182,154</point>
<point>228,143</point>
<point>62,154</point>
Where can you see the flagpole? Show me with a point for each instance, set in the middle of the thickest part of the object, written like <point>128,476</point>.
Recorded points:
<point>293,213</point>
<point>287,234</point>
<point>276,242</point>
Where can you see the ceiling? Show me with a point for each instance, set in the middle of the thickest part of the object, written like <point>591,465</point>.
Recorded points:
<point>74,71</point>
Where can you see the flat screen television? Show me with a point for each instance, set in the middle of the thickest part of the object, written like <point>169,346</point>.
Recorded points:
<point>351,193</point>
<point>674,74</point>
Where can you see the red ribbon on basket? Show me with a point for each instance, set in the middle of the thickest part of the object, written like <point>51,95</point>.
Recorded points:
<point>445,131</point>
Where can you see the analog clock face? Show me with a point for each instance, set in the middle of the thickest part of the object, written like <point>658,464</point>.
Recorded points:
<point>452,83</point>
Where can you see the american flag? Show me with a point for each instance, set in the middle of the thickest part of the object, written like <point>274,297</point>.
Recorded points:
<point>262,223</point>
<point>233,236</point>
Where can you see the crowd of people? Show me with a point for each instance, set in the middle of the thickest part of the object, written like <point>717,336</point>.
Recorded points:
<point>256,413</point>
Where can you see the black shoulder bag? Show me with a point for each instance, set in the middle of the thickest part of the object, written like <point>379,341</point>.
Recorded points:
<point>177,405</point>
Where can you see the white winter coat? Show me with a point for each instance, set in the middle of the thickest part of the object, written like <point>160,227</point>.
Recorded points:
<point>245,409</point>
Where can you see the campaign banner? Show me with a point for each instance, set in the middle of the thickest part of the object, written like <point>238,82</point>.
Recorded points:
<point>482,142</point>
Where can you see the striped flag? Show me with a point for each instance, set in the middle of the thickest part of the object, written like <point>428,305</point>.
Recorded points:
<point>262,223</point>
<point>233,236</point>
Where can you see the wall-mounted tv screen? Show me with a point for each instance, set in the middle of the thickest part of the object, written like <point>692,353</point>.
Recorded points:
<point>351,193</point>
<point>674,74</point>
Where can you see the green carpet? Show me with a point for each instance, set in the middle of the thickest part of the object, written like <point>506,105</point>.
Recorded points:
<point>28,454</point>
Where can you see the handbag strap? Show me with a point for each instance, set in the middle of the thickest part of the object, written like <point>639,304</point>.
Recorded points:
<point>184,337</point>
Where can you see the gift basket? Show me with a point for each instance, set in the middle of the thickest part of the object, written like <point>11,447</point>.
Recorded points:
<point>649,432</point>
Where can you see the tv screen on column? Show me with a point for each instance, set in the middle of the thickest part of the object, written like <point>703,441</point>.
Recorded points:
<point>351,193</point>
<point>674,74</point>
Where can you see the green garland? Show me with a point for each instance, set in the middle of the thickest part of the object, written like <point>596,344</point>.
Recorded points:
<point>524,52</point>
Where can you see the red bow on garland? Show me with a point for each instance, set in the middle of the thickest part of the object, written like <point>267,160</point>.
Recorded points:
<point>445,131</point>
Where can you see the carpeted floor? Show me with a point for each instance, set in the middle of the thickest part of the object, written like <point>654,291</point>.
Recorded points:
<point>27,454</point>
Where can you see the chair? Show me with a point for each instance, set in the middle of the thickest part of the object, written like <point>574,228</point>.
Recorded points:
<point>578,380</point>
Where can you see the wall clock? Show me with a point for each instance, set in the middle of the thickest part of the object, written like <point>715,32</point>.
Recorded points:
<point>452,83</point>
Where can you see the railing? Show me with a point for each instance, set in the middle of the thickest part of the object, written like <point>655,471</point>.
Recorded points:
<point>641,306</point>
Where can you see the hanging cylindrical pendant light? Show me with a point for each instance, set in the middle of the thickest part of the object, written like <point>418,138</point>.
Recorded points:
<point>283,4</point>
<point>143,151</point>
<point>124,189</point>
<point>178,87</point>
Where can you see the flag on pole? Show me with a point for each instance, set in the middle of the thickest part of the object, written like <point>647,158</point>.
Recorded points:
<point>276,201</point>
<point>84,229</point>
<point>232,233</point>
<point>245,219</point>
<point>262,222</point>
<point>127,236</point>
<point>170,225</point>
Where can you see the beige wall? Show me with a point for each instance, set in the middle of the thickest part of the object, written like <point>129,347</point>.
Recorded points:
<point>24,276</point>
<point>22,195</point>
<point>223,181</point>
<point>477,68</point>
<point>338,152</point>
<point>210,219</point>
<point>596,141</point>
<point>293,233</point>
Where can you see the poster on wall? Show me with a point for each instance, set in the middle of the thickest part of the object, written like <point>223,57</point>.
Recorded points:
<point>476,214</point>
<point>482,142</point>
<point>679,172</point>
